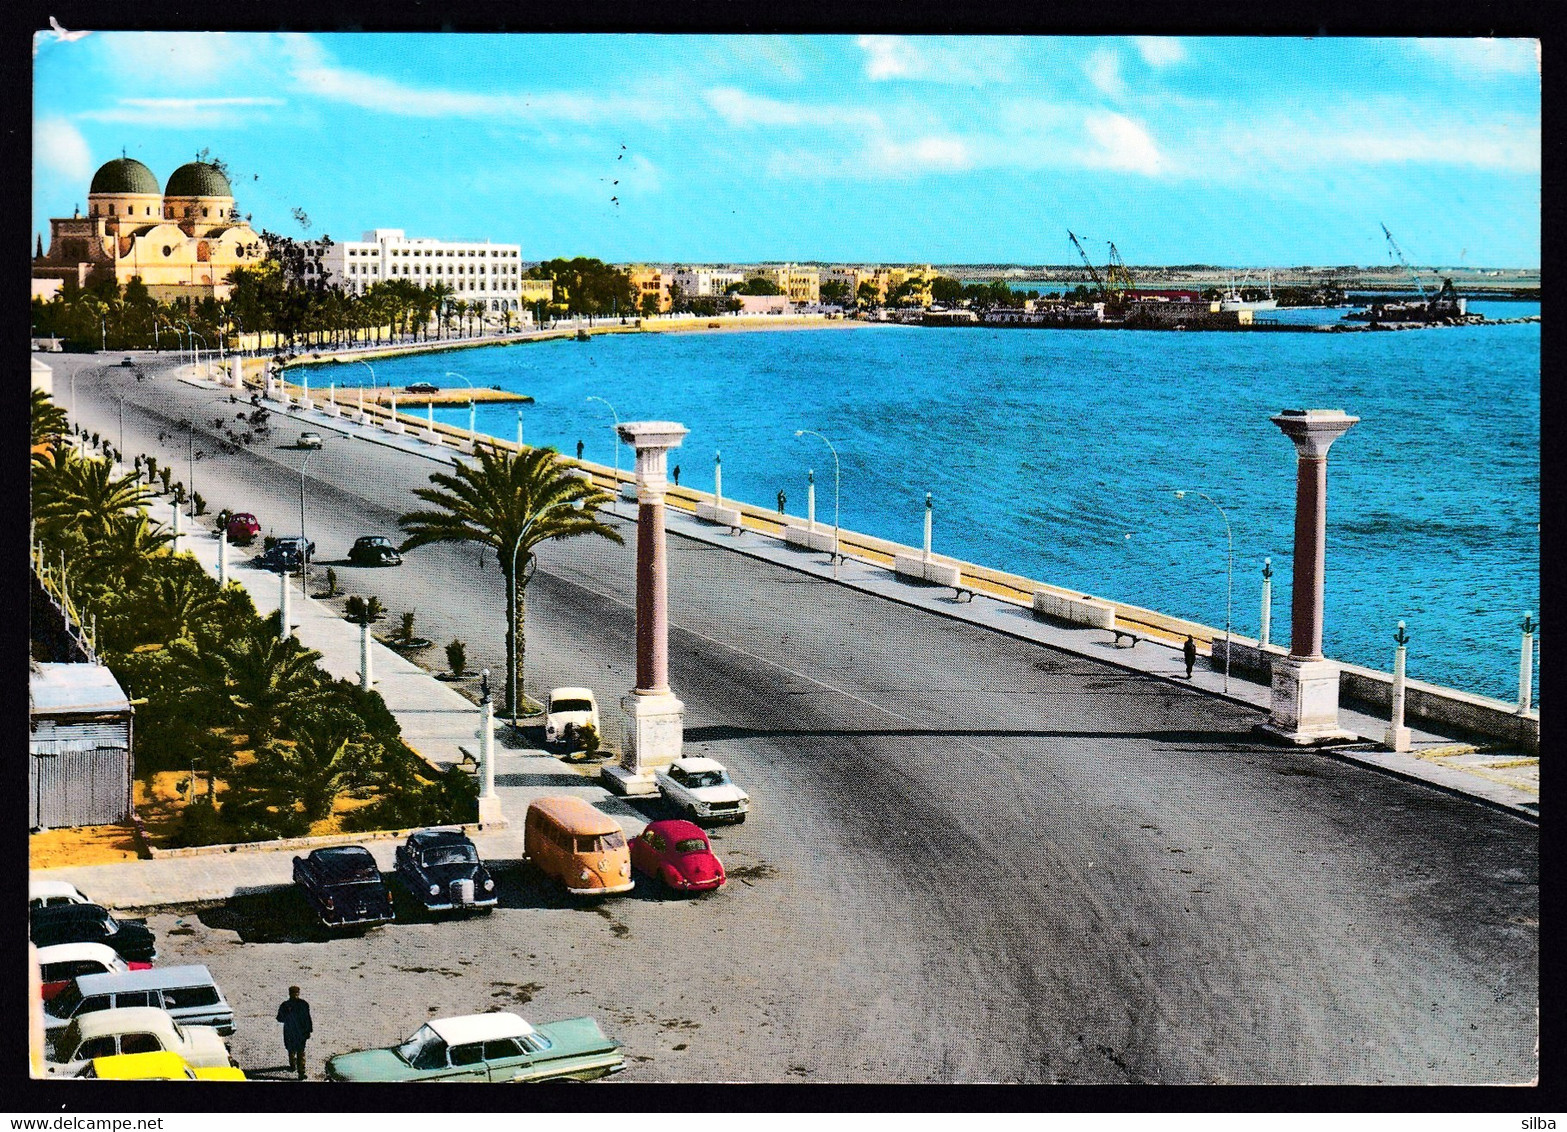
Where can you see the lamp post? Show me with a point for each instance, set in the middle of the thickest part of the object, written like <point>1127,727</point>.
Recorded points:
<point>190,462</point>
<point>1267,601</point>
<point>197,351</point>
<point>374,384</point>
<point>1397,736</point>
<point>188,344</point>
<point>1526,665</point>
<point>304,543</point>
<point>122,421</point>
<point>1229,577</point>
<point>574,504</point>
<point>473,437</point>
<point>616,415</point>
<point>836,483</point>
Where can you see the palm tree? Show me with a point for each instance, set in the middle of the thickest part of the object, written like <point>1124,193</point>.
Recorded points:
<point>441,293</point>
<point>511,503</point>
<point>329,752</point>
<point>72,493</point>
<point>259,681</point>
<point>49,420</point>
<point>460,308</point>
<point>183,604</point>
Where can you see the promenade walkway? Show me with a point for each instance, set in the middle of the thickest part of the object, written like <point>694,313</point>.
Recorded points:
<point>441,724</point>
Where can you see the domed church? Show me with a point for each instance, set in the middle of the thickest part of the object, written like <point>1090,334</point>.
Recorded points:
<point>182,241</point>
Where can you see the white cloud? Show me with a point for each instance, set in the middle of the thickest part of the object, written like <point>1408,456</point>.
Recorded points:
<point>1103,69</point>
<point>739,108</point>
<point>183,58</point>
<point>1487,56</point>
<point>937,153</point>
<point>178,113</point>
<point>980,59</point>
<point>60,148</point>
<point>1159,50</point>
<point>1502,144</point>
<point>1122,144</point>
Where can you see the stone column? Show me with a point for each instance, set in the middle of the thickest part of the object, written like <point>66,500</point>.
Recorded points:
<point>1305,685</point>
<point>1526,667</point>
<point>304,390</point>
<point>365,677</point>
<point>718,479</point>
<point>284,617</point>
<point>1397,737</point>
<point>331,400</point>
<point>655,717</point>
<point>810,501</point>
<point>223,557</point>
<point>926,558</point>
<point>1267,602</point>
<point>392,423</point>
<point>237,372</point>
<point>178,543</point>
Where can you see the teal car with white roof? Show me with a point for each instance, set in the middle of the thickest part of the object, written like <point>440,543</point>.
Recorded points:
<point>487,1047</point>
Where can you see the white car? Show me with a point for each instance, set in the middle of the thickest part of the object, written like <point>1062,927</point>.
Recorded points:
<point>310,440</point>
<point>569,707</point>
<point>134,1029</point>
<point>702,788</point>
<point>60,963</point>
<point>47,893</point>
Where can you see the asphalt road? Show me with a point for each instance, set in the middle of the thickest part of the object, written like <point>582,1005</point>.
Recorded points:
<point>973,859</point>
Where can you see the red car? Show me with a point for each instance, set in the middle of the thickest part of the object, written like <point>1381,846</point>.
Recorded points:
<point>243,528</point>
<point>677,852</point>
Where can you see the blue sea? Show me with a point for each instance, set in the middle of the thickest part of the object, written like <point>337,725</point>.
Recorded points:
<point>1055,454</point>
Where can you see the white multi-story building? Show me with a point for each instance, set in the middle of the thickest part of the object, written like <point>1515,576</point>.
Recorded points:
<point>483,273</point>
<point>701,282</point>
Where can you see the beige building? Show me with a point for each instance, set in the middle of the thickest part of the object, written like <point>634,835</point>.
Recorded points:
<point>799,284</point>
<point>181,241</point>
<point>649,281</point>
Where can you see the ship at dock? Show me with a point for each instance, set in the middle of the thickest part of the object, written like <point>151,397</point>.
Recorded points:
<point>1234,298</point>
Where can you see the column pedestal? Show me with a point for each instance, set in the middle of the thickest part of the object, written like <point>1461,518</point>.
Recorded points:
<point>655,731</point>
<point>1305,703</point>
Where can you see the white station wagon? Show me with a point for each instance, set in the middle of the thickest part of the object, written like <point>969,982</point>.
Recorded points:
<point>136,1029</point>
<point>573,708</point>
<point>702,788</point>
<point>48,893</point>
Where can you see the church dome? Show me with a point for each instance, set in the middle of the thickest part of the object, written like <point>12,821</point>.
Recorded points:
<point>197,179</point>
<point>125,175</point>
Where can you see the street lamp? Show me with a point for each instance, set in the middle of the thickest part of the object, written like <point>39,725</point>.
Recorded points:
<point>196,350</point>
<point>473,438</point>
<point>616,415</point>
<point>187,344</point>
<point>304,543</point>
<point>574,504</point>
<point>835,485</point>
<point>122,423</point>
<point>1229,580</point>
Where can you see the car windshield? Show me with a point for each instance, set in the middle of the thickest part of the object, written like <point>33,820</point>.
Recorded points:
<point>63,1005</point>
<point>570,705</point>
<point>425,1050</point>
<point>451,855</point>
<point>604,843</point>
<point>375,540</point>
<point>708,778</point>
<point>691,845</point>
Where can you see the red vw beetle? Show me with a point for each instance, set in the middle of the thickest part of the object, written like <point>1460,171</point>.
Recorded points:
<point>242,528</point>
<point>677,852</point>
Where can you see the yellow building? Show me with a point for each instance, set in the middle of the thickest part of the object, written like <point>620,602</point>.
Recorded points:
<point>536,291</point>
<point>649,281</point>
<point>181,241</point>
<point>800,284</point>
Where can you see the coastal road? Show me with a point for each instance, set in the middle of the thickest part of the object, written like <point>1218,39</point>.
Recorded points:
<point>972,858</point>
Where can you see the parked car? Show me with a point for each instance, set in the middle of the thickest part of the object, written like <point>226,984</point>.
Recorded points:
<point>566,838</point>
<point>702,788</point>
<point>441,868</point>
<point>566,712</point>
<point>679,854</point>
<point>309,440</point>
<point>136,1029</point>
<point>188,993</point>
<point>89,923</point>
<point>159,1066</point>
<point>487,1047</point>
<point>344,886</point>
<point>127,361</point>
<point>421,387</point>
<point>243,528</point>
<point>374,550</point>
<point>284,553</point>
<point>47,893</point>
<point>62,963</point>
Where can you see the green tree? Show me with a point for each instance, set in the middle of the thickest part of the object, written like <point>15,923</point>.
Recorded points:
<point>759,285</point>
<point>506,501</point>
<point>868,296</point>
<point>72,493</point>
<point>260,682</point>
<point>49,420</point>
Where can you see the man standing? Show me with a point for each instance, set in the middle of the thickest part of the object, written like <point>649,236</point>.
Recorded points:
<point>1189,652</point>
<point>782,499</point>
<point>675,471</point>
<point>294,1013</point>
<point>579,451</point>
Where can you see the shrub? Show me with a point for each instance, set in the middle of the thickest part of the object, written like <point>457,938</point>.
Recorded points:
<point>201,504</point>
<point>457,657</point>
<point>165,474</point>
<point>588,736</point>
<point>199,824</point>
<point>405,629</point>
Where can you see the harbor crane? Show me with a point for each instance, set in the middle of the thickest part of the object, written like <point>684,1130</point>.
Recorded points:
<point>1092,274</point>
<point>1395,250</point>
<point>1118,278</point>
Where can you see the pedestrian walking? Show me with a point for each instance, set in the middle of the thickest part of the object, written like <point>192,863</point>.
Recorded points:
<point>579,450</point>
<point>1189,652</point>
<point>675,471</point>
<point>294,1013</point>
<point>781,500</point>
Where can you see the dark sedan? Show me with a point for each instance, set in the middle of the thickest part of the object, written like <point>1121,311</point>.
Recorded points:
<point>442,869</point>
<point>344,886</point>
<point>91,923</point>
<point>374,550</point>
<point>284,554</point>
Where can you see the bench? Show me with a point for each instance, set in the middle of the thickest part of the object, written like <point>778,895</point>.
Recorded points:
<point>1131,637</point>
<point>468,762</point>
<point>961,594</point>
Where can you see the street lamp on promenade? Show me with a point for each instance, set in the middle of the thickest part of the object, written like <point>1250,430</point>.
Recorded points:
<point>473,436</point>
<point>835,485</point>
<point>197,352</point>
<point>511,630</point>
<point>1229,579</point>
<point>187,344</point>
<point>616,415</point>
<point>304,543</point>
<point>374,384</point>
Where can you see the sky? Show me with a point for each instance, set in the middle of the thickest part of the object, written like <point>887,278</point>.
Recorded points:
<point>692,149</point>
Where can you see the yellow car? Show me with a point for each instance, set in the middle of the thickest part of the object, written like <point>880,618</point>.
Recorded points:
<point>156,1066</point>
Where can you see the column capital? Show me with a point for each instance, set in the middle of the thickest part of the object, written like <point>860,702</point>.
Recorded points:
<point>1313,430</point>
<point>652,441</point>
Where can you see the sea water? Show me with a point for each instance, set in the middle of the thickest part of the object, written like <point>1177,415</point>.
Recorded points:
<point>1055,454</point>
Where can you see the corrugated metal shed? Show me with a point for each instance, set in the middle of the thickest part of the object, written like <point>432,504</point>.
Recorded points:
<point>80,769</point>
<point>57,690</point>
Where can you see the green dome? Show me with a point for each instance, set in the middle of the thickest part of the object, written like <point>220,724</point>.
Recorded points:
<point>124,175</point>
<point>198,179</point>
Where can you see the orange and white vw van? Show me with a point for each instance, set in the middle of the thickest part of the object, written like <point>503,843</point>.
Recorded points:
<point>577,845</point>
